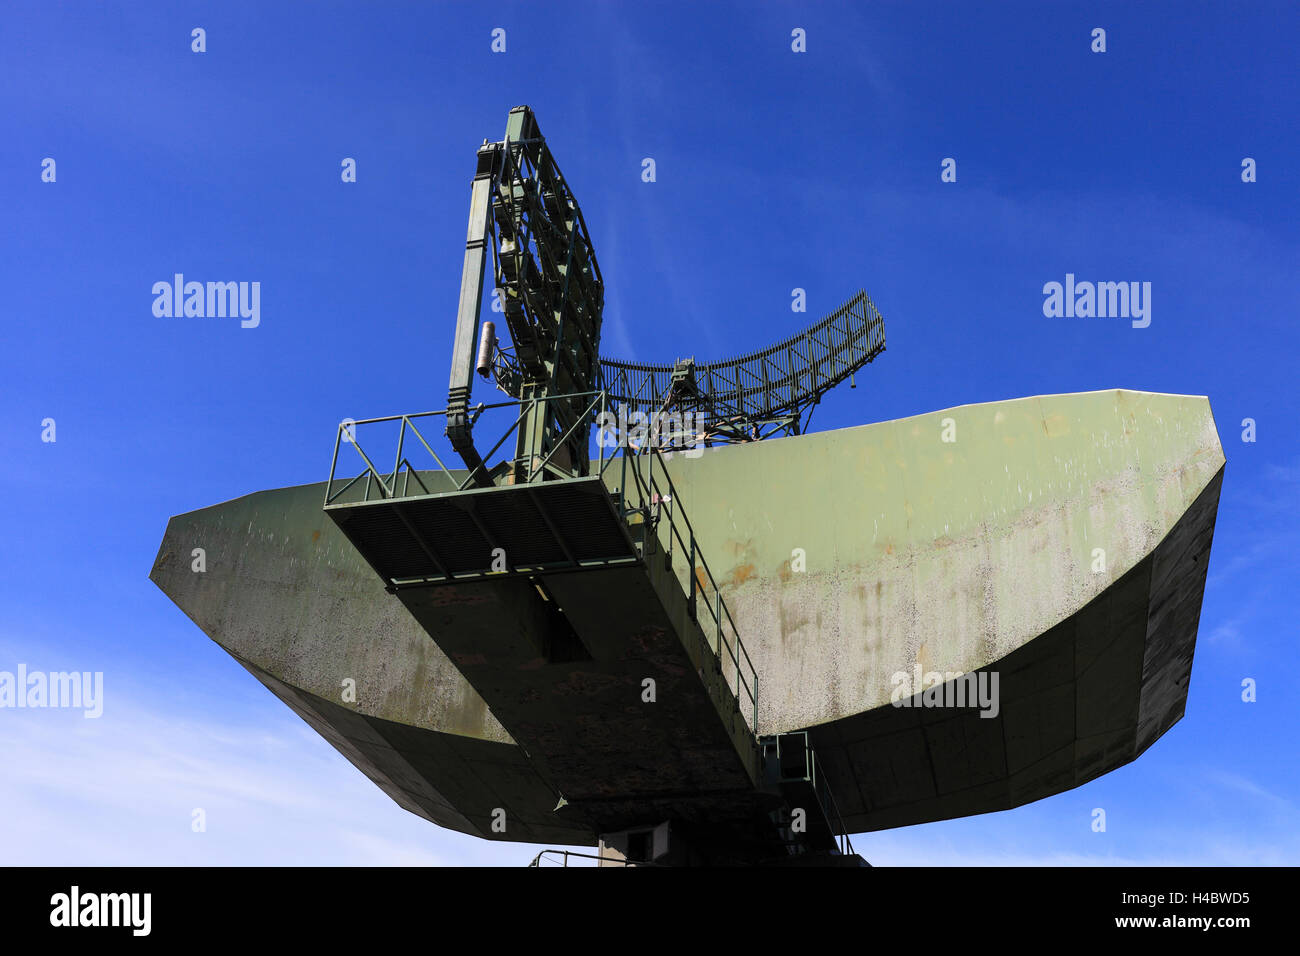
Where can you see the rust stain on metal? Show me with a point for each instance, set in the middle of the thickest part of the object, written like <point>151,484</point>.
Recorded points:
<point>739,574</point>
<point>586,683</point>
<point>646,638</point>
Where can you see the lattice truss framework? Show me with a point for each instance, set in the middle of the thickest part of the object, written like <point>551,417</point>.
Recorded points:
<point>765,393</point>
<point>552,296</point>
<point>545,271</point>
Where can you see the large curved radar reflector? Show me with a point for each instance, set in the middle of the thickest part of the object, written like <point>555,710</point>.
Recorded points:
<point>942,615</point>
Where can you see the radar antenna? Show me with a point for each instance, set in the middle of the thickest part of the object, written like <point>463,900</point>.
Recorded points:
<point>552,296</point>
<point>761,395</point>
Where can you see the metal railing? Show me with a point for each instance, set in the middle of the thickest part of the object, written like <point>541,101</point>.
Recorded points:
<point>547,858</point>
<point>656,498</point>
<point>812,773</point>
<point>645,489</point>
<point>385,484</point>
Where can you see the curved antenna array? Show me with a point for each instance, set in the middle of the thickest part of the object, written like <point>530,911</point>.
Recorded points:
<point>543,267</point>
<point>766,393</point>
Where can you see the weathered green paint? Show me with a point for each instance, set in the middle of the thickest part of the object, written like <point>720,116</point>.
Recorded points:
<point>950,555</point>
<point>954,556</point>
<point>288,596</point>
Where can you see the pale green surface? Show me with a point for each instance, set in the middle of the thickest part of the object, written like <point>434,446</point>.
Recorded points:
<point>950,555</point>
<point>947,554</point>
<point>286,591</point>
<point>918,551</point>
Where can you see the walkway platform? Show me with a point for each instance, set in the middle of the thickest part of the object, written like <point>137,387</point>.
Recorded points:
<point>584,645</point>
<point>466,535</point>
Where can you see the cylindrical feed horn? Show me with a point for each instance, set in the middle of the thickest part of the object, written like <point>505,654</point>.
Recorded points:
<point>487,342</point>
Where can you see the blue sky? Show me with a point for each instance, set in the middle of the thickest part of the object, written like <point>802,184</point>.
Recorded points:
<point>775,170</point>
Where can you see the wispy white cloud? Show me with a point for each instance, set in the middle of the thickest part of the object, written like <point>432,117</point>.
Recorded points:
<point>1227,634</point>
<point>121,790</point>
<point>1242,785</point>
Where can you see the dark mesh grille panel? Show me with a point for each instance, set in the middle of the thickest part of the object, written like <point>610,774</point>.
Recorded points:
<point>514,517</point>
<point>517,519</point>
<point>452,534</point>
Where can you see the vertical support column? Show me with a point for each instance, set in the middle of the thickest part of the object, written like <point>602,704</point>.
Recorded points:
<point>467,314</point>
